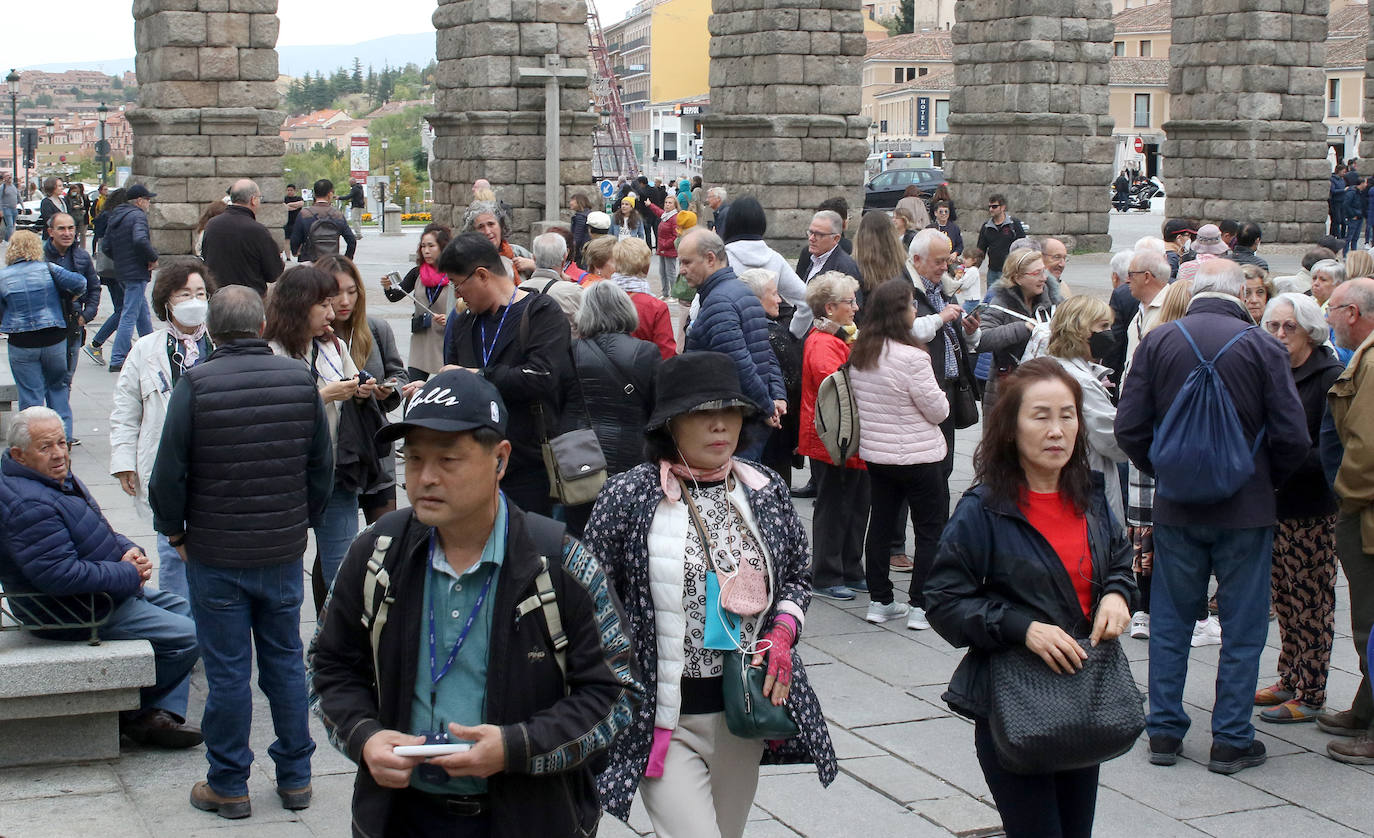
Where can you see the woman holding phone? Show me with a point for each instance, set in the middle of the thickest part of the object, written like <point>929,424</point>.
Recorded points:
<point>429,288</point>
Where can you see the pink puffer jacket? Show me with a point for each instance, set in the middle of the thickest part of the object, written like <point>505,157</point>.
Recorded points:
<point>900,408</point>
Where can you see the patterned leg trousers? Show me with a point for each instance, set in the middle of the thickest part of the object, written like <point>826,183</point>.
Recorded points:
<point>1304,586</point>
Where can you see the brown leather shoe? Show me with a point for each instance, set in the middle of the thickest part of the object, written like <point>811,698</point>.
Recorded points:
<point>162,729</point>
<point>294,799</point>
<point>1358,751</point>
<point>1342,723</point>
<point>207,799</point>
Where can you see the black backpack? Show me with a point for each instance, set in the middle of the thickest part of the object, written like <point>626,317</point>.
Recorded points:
<point>321,237</point>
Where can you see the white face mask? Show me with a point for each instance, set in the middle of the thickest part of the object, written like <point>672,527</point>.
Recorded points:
<point>191,313</point>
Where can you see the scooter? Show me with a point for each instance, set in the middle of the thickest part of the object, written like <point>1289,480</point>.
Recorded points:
<point>1140,196</point>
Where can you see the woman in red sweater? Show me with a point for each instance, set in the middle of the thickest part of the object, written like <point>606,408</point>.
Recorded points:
<point>840,516</point>
<point>631,260</point>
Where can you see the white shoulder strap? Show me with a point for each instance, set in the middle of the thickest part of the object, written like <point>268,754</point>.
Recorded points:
<point>547,600</point>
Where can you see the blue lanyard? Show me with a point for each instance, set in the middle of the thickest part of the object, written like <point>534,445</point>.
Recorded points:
<point>487,350</point>
<point>319,353</point>
<point>436,676</point>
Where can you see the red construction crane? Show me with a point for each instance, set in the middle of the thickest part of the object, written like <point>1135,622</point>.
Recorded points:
<point>612,152</point>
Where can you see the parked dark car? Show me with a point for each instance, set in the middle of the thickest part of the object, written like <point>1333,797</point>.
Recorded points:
<point>886,189</point>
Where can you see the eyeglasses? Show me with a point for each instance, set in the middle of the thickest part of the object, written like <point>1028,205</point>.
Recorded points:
<point>818,234</point>
<point>1331,310</point>
<point>849,302</point>
<point>994,206</point>
<point>460,282</point>
<point>1040,272</point>
<point>1288,327</point>
<point>1130,274</point>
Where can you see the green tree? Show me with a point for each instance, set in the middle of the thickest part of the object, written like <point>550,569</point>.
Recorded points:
<point>420,160</point>
<point>905,21</point>
<point>355,81</point>
<point>43,100</point>
<point>116,83</point>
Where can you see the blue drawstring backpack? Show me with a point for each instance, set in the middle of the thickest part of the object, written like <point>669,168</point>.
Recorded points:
<point>1199,452</point>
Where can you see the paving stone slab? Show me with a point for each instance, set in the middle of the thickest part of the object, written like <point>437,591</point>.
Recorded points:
<point>109,815</point>
<point>1319,784</point>
<point>1277,820</point>
<point>943,747</point>
<point>854,699</point>
<point>894,658</point>
<point>962,815</point>
<point>57,781</point>
<point>1119,816</point>
<point>799,804</point>
<point>898,779</point>
<point>1186,790</point>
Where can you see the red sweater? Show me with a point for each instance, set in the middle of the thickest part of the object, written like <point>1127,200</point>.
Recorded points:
<point>822,355</point>
<point>655,323</point>
<point>1054,516</point>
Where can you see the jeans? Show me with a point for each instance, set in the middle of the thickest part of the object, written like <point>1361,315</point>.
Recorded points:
<point>1353,226</point>
<point>116,289</point>
<point>164,620</point>
<point>838,521</point>
<point>667,272</point>
<point>1184,559</point>
<point>235,609</point>
<point>73,355</point>
<point>339,529</point>
<point>171,570</point>
<point>924,488</point>
<point>1358,567</point>
<point>40,375</point>
<point>132,316</point>
<point>11,217</point>
<point>1058,805</point>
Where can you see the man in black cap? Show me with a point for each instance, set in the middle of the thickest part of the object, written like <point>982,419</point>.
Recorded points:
<point>527,670</point>
<point>1177,233</point>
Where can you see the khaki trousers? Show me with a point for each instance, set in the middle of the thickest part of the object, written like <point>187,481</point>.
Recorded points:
<point>707,770</point>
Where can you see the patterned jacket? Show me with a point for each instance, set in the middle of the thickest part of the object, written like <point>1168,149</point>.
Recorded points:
<point>618,531</point>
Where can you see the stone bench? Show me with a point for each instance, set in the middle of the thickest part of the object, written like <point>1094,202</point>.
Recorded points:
<point>60,701</point>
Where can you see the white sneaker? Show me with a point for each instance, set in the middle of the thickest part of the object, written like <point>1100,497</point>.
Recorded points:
<point>1207,632</point>
<point>1140,625</point>
<point>916,619</point>
<point>879,613</point>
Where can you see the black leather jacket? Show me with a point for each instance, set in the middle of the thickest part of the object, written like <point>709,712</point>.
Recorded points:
<point>616,393</point>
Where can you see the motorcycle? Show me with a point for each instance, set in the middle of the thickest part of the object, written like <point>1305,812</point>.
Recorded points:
<point>1141,194</point>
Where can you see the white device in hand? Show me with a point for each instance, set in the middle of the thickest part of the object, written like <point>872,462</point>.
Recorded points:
<point>430,750</point>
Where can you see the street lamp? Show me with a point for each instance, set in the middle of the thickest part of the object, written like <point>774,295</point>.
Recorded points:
<point>49,125</point>
<point>102,146</point>
<point>12,85</point>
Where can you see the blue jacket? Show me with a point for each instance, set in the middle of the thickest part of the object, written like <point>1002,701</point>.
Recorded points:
<point>1338,187</point>
<point>77,260</point>
<point>995,574</point>
<point>1354,203</point>
<point>126,241</point>
<point>731,320</point>
<point>29,298</point>
<point>1259,380</point>
<point>56,539</point>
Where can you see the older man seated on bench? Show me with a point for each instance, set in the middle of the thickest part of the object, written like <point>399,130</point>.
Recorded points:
<point>55,541</point>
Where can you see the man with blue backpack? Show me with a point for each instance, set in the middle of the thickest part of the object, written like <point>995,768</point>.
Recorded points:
<point>1211,411</point>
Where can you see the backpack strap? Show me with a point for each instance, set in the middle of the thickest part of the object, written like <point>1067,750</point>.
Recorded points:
<point>547,535</point>
<point>377,596</point>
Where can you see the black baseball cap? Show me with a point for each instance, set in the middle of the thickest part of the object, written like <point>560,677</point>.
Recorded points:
<point>452,401</point>
<point>138,190</point>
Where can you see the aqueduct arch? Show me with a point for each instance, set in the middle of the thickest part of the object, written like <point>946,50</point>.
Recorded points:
<point>1029,108</point>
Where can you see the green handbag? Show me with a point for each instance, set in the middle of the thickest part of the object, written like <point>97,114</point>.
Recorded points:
<point>681,291</point>
<point>748,714</point>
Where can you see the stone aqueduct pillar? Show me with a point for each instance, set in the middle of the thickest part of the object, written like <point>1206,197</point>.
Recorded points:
<point>1028,115</point>
<point>1367,127</point>
<point>208,109</point>
<point>488,124</point>
<point>784,124</point>
<point>1246,138</point>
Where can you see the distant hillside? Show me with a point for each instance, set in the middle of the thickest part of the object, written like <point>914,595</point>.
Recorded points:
<point>396,50</point>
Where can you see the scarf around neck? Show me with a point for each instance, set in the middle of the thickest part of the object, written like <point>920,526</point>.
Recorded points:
<point>190,342</point>
<point>432,277</point>
<point>668,474</point>
<point>631,284</point>
<point>848,334</point>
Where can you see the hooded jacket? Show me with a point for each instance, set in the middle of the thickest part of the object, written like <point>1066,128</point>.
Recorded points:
<point>126,241</point>
<point>745,254</point>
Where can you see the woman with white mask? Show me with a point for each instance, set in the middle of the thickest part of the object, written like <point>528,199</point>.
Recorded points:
<point>180,297</point>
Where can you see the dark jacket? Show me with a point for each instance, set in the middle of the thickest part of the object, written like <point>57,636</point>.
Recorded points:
<point>300,234</point>
<point>1256,374</point>
<point>530,365</point>
<point>615,375</point>
<point>126,241</point>
<point>240,251</point>
<point>839,260</point>
<point>547,788</point>
<point>1354,203</point>
<point>55,540</point>
<point>1004,335</point>
<point>246,463</point>
<point>951,230</point>
<point>356,199</point>
<point>1338,189</point>
<point>995,574</point>
<point>47,208</point>
<point>1124,307</point>
<point>1307,493</point>
<point>732,321</point>
<point>995,240</point>
<point>1246,256</point>
<point>580,236</point>
<point>77,260</point>
<point>619,531</point>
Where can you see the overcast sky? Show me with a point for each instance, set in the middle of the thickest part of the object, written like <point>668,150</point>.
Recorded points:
<point>104,29</point>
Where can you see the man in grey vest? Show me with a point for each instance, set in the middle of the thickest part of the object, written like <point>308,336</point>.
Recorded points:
<point>244,468</point>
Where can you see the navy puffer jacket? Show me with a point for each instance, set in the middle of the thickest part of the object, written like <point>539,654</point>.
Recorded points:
<point>126,242</point>
<point>55,540</point>
<point>732,321</point>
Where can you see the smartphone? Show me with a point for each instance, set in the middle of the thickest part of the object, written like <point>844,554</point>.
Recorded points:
<point>364,376</point>
<point>394,278</point>
<point>393,383</point>
<point>979,309</point>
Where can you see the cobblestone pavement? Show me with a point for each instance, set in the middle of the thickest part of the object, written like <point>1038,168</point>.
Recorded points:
<point>907,766</point>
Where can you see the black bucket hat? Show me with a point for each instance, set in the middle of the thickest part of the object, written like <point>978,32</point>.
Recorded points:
<point>696,381</point>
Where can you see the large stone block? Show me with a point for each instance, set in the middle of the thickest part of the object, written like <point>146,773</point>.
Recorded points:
<point>178,94</point>
<point>258,65</point>
<point>218,63</point>
<point>249,94</point>
<point>176,29</point>
<point>262,31</point>
<point>254,6</point>
<point>224,29</point>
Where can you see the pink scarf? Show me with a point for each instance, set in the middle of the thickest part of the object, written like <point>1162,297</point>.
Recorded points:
<point>190,343</point>
<point>432,277</point>
<point>672,489</point>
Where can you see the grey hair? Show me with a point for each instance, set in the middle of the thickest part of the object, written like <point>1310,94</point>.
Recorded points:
<point>550,249</point>
<point>243,192</point>
<point>19,436</point>
<point>833,218</point>
<point>1028,243</point>
<point>1307,314</point>
<point>717,192</point>
<point>606,308</point>
<point>479,208</point>
<point>236,312</point>
<point>1121,264</point>
<point>1220,276</point>
<point>758,279</point>
<point>1331,267</point>
<point>1157,265</point>
<point>1152,244</point>
<point>708,242</point>
<point>921,242</point>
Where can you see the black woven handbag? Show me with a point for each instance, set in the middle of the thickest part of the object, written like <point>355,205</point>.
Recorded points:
<point>1043,722</point>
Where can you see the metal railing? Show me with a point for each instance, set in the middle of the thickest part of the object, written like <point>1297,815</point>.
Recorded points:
<point>43,612</point>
